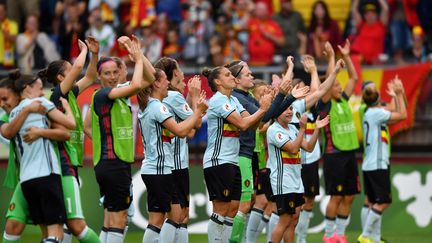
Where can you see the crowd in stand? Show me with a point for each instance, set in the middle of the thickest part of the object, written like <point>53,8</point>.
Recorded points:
<point>34,33</point>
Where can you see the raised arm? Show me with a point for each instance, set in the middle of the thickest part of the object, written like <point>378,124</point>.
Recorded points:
<point>67,84</point>
<point>310,67</point>
<point>352,74</point>
<point>384,15</point>
<point>91,72</point>
<point>136,84</point>
<point>244,123</point>
<point>183,128</point>
<point>294,146</point>
<point>9,130</point>
<point>400,106</point>
<point>309,145</point>
<point>356,16</point>
<point>313,98</point>
<point>148,71</point>
<point>330,54</point>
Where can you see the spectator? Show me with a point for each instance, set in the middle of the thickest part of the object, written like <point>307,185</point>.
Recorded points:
<point>102,32</point>
<point>217,58</point>
<point>400,27</point>
<point>19,10</point>
<point>35,49</point>
<point>142,10</point>
<point>232,48</point>
<point>107,8</point>
<point>264,36</point>
<point>239,14</point>
<point>151,43</point>
<point>418,51</point>
<point>371,30</point>
<point>293,30</point>
<point>322,29</point>
<point>172,48</point>
<point>72,29</point>
<point>171,8</point>
<point>196,32</point>
<point>8,33</point>
<point>425,17</point>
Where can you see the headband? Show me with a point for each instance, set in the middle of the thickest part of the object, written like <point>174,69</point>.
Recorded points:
<point>107,61</point>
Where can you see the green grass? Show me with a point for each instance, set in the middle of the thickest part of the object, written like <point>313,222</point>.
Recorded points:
<point>390,236</point>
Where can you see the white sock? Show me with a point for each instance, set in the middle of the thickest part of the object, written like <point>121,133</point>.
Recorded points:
<point>363,215</point>
<point>82,234</point>
<point>262,225</point>
<point>329,227</point>
<point>373,216</point>
<point>227,229</point>
<point>274,219</point>
<point>67,235</point>
<point>51,239</point>
<point>182,234</point>
<point>9,237</point>
<point>376,230</point>
<point>303,225</point>
<point>245,227</point>
<point>168,231</point>
<point>151,234</point>
<point>341,224</point>
<point>252,227</point>
<point>103,235</point>
<point>115,235</point>
<point>215,228</point>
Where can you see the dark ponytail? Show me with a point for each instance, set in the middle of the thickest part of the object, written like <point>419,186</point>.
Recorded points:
<point>211,75</point>
<point>49,74</point>
<point>370,97</point>
<point>20,81</point>
<point>144,94</point>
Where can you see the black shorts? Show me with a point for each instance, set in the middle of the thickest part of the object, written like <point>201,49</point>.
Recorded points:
<point>255,171</point>
<point>114,179</point>
<point>264,186</point>
<point>45,200</point>
<point>310,178</point>
<point>181,184</point>
<point>341,174</point>
<point>287,203</point>
<point>377,186</point>
<point>160,192</point>
<point>223,182</point>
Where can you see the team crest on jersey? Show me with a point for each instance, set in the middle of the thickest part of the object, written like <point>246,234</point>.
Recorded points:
<point>186,108</point>
<point>247,183</point>
<point>226,192</point>
<point>279,137</point>
<point>226,107</point>
<point>163,109</point>
<point>12,207</point>
<point>291,204</point>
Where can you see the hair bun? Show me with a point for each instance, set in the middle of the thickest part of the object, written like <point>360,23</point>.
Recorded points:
<point>14,74</point>
<point>206,72</point>
<point>43,73</point>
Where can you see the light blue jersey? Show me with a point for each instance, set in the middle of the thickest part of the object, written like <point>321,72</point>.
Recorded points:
<point>158,152</point>
<point>299,107</point>
<point>285,168</point>
<point>39,158</point>
<point>376,153</point>
<point>178,106</point>
<point>223,137</point>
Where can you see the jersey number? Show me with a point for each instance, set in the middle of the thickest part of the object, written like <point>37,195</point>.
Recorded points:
<point>367,133</point>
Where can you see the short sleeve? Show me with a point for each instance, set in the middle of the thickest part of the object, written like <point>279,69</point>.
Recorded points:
<point>238,105</point>
<point>277,137</point>
<point>223,107</point>
<point>180,106</point>
<point>47,104</point>
<point>161,112</point>
<point>381,115</point>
